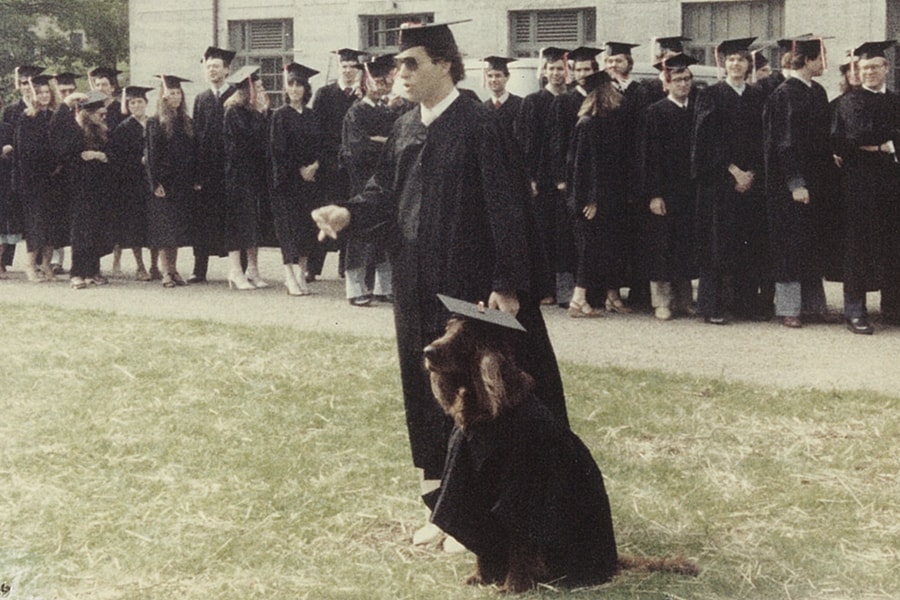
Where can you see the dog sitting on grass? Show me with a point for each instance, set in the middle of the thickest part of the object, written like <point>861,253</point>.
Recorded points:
<point>519,490</point>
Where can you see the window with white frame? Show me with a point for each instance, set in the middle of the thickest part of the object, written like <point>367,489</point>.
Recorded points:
<point>531,30</point>
<point>267,43</point>
<point>376,40</point>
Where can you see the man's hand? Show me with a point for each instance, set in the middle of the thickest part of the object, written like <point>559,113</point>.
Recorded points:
<point>508,302</point>
<point>658,206</point>
<point>159,191</point>
<point>330,220</point>
<point>589,211</point>
<point>308,173</point>
<point>801,195</point>
<point>743,179</point>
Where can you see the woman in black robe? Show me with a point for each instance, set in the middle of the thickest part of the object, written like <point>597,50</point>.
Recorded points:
<point>11,225</point>
<point>246,130</point>
<point>295,148</point>
<point>597,194</point>
<point>36,165</point>
<point>90,187</point>
<point>126,153</point>
<point>171,165</point>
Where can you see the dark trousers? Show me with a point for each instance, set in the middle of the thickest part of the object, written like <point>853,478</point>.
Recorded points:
<point>85,263</point>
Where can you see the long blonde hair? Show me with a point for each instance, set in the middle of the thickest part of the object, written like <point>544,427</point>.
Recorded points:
<point>169,116</point>
<point>32,110</point>
<point>604,99</point>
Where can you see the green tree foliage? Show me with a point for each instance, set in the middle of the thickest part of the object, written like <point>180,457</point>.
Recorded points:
<point>22,41</point>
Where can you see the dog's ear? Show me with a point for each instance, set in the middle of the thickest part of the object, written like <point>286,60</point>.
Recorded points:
<point>490,387</point>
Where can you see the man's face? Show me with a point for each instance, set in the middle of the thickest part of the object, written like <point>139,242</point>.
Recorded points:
<point>873,72</point>
<point>817,66</point>
<point>496,81</point>
<point>381,88</point>
<point>216,71</point>
<point>65,89</point>
<point>763,72</point>
<point>102,84</point>
<point>24,89</point>
<point>679,85</point>
<point>617,65</point>
<point>736,66</point>
<point>555,72</point>
<point>582,70</point>
<point>422,78</point>
<point>349,72</point>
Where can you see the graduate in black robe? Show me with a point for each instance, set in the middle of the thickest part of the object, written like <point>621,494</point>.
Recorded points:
<point>105,80</point>
<point>208,212</point>
<point>669,192</point>
<point>126,153</point>
<point>726,154</point>
<point>468,240</point>
<point>174,177</point>
<point>246,191</point>
<point>865,133</point>
<point>534,129</point>
<point>295,153</point>
<point>798,163</point>
<point>11,223</point>
<point>90,187</point>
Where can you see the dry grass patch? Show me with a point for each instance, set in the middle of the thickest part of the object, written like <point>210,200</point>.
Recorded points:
<point>197,460</point>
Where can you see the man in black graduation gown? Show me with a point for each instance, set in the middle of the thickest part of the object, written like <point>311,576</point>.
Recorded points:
<point>668,225</point>
<point>443,201</point>
<point>330,103</point>
<point>105,80</point>
<point>798,162</point>
<point>727,161</point>
<point>507,105</point>
<point>534,128</point>
<point>865,133</point>
<point>208,215</point>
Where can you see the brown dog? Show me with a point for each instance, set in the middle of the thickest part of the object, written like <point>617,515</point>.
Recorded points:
<point>519,489</point>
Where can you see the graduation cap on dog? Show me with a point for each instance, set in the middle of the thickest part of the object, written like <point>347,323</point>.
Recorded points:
<point>479,312</point>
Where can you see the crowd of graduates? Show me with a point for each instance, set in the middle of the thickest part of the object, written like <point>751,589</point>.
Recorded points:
<point>756,186</point>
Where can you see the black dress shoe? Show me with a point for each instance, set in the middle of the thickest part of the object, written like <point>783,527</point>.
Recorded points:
<point>360,301</point>
<point>717,320</point>
<point>386,298</point>
<point>860,325</point>
<point>196,279</point>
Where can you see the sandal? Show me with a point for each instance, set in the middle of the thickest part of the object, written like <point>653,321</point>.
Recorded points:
<point>177,278</point>
<point>578,310</point>
<point>167,281</point>
<point>617,306</point>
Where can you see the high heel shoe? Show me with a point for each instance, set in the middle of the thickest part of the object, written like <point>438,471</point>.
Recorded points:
<point>295,289</point>
<point>583,310</point>
<point>237,280</point>
<point>256,282</point>
<point>617,306</point>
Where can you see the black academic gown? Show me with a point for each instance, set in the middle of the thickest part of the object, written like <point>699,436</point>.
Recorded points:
<point>11,222</point>
<point>731,226</point>
<point>524,476</point>
<point>36,168</point>
<point>90,189</point>
<point>870,189</point>
<point>295,141</point>
<point>126,153</point>
<point>330,104</point>
<point>360,156</point>
<point>64,132</point>
<point>597,166</point>
<point>442,201</point>
<point>797,154</point>
<point>208,210</point>
<point>114,115</point>
<point>669,239</point>
<point>246,141</point>
<point>13,112</point>
<point>171,162</point>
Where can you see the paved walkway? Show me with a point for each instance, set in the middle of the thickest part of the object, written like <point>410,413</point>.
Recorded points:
<point>826,357</point>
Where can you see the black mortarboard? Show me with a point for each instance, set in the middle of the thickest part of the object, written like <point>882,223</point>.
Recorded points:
<point>479,312</point>
<point>787,44</point>
<point>106,72</point>
<point>616,48</point>
<point>93,100</point>
<point>676,62</point>
<point>498,63</point>
<point>873,49</point>
<point>595,80</point>
<point>583,53</point>
<point>810,47</point>
<point>432,36</point>
<point>348,54</point>
<point>735,46</point>
<point>225,55</point>
<point>380,66</point>
<point>673,43</point>
<point>759,61</point>
<point>66,78</point>
<point>172,81</point>
<point>298,71</point>
<point>553,54</point>
<point>42,79</point>
<point>27,71</point>
<point>136,91</point>
<point>242,74</point>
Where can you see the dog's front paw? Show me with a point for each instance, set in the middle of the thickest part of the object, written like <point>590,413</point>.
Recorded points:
<point>474,579</point>
<point>517,585</point>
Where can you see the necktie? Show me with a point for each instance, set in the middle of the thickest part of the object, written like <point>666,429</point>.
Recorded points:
<point>497,104</point>
<point>348,91</point>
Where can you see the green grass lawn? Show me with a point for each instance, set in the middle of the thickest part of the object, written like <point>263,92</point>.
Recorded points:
<point>191,459</point>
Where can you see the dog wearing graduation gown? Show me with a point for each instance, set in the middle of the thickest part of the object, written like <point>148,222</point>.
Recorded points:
<point>519,489</point>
